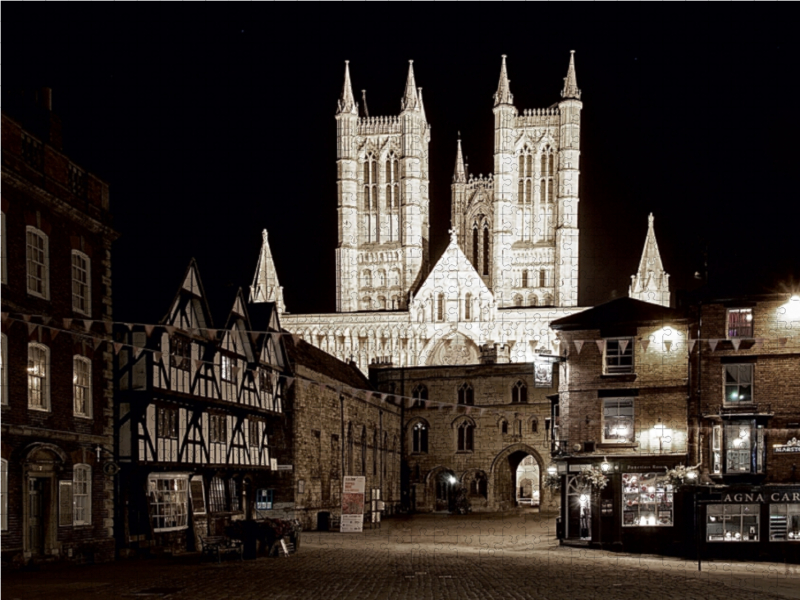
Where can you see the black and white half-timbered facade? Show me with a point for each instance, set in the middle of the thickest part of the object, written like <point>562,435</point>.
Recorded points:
<point>201,421</point>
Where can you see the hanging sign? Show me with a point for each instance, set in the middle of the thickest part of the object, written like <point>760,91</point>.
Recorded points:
<point>353,504</point>
<point>543,374</point>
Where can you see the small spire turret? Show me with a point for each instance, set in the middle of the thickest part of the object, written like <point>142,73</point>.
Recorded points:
<point>347,103</point>
<point>503,95</point>
<point>570,81</point>
<point>265,286</point>
<point>421,105</point>
<point>460,175</point>
<point>651,282</point>
<point>410,100</point>
<point>364,103</point>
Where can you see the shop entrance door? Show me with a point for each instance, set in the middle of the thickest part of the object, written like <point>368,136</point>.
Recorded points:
<point>579,510</point>
<point>36,514</point>
<point>445,491</point>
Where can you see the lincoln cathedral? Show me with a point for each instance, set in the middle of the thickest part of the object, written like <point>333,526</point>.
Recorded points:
<point>512,263</point>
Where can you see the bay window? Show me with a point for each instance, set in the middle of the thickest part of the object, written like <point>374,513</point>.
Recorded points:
<point>168,496</point>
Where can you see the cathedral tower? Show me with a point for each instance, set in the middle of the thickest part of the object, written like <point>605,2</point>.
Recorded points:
<point>382,181</point>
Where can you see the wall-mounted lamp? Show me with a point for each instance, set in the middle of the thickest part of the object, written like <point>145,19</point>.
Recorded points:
<point>605,466</point>
<point>691,475</point>
<point>552,470</point>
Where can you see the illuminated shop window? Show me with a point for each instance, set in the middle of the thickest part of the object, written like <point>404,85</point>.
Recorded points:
<point>646,500</point>
<point>784,522</point>
<point>732,522</point>
<point>167,493</point>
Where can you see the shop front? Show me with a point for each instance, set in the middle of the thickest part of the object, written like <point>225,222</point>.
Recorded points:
<point>749,522</point>
<point>641,508</point>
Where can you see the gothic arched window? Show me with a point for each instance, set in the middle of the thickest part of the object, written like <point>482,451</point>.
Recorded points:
<point>363,450</point>
<point>380,278</point>
<point>517,300</point>
<point>420,394</point>
<point>504,426</point>
<point>534,426</point>
<point>542,278</point>
<point>371,211</point>
<point>485,249</point>
<point>393,196</point>
<point>475,245</point>
<point>525,175</point>
<point>466,436</point>
<point>382,302</point>
<point>366,279</point>
<point>466,395</point>
<point>419,438</point>
<point>524,278</point>
<point>468,307</point>
<point>519,393</point>
<point>440,307</point>
<point>350,449</point>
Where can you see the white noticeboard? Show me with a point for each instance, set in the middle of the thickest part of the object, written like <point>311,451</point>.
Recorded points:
<point>353,504</point>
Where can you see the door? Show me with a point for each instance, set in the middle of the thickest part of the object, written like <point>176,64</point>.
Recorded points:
<point>579,511</point>
<point>37,488</point>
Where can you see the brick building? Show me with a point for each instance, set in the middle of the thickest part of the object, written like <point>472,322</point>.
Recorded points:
<point>482,428</point>
<point>57,428</point>
<point>746,386</point>
<point>622,412</point>
<point>203,421</point>
<point>340,428</point>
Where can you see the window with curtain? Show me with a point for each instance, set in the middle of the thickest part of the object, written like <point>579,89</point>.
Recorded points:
<point>38,377</point>
<point>82,386</point>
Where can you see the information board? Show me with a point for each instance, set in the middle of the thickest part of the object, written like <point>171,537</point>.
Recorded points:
<point>353,504</point>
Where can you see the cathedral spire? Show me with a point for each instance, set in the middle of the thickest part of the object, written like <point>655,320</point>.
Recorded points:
<point>460,176</point>
<point>347,103</point>
<point>410,100</point>
<point>570,81</point>
<point>651,283</point>
<point>265,286</point>
<point>503,95</point>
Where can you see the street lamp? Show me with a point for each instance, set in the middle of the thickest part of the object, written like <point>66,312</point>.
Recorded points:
<point>552,470</point>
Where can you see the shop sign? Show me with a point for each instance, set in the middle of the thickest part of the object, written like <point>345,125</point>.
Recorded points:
<point>791,446</point>
<point>762,497</point>
<point>284,468</point>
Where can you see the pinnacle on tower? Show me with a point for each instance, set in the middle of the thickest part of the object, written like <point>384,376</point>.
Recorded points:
<point>460,175</point>
<point>364,102</point>
<point>265,286</point>
<point>347,103</point>
<point>421,105</point>
<point>570,81</point>
<point>503,95</point>
<point>651,283</point>
<point>410,100</point>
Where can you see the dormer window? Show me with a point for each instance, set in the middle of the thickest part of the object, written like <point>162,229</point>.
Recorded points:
<point>618,357</point>
<point>740,323</point>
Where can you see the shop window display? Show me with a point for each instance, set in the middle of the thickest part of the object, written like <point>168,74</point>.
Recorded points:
<point>647,500</point>
<point>784,522</point>
<point>732,522</point>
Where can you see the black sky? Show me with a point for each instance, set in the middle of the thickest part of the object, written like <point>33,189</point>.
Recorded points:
<point>216,125</point>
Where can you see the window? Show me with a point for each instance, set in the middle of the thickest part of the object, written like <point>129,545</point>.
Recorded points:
<point>218,429</point>
<point>740,323</point>
<point>3,266</point>
<point>519,393</point>
<point>264,499</point>
<point>3,494</point>
<point>618,420</point>
<point>542,278</point>
<point>784,522</point>
<point>535,426</point>
<point>77,180</point>
<point>374,453</point>
<point>732,522</point>
<point>485,249</point>
<point>646,500</point>
<point>363,450</point>
<point>226,367</point>
<point>3,370</point>
<point>167,493</point>
<point>738,384</point>
<point>255,437</point>
<point>236,498</point>
<point>81,283</point>
<point>181,355</point>
<point>419,438</point>
<point>37,262</point>
<point>475,255</point>
<point>525,278</point>
<point>265,381</point>
<point>468,307</point>
<point>440,307</point>
<point>392,196</point>
<point>466,395</point>
<point>619,356</point>
<point>371,211</point>
<point>744,447</point>
<point>465,436</point>
<point>716,449</point>
<point>82,386</point>
<point>38,377</point>
<point>525,176</point>
<point>167,423</point>
<point>504,426</point>
<point>335,456</point>
<point>216,495</point>
<point>32,152</point>
<point>517,300</point>
<point>82,495</point>
<point>420,394</point>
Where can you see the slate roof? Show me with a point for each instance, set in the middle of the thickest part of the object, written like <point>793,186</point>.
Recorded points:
<point>303,353</point>
<point>622,311</point>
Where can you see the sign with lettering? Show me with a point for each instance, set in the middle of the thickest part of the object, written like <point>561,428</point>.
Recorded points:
<point>284,468</point>
<point>353,504</point>
<point>789,447</point>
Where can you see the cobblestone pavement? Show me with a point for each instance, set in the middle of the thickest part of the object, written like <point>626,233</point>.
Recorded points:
<point>424,556</point>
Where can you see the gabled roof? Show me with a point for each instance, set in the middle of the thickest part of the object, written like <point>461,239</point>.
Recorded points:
<point>622,311</point>
<point>314,359</point>
<point>190,292</point>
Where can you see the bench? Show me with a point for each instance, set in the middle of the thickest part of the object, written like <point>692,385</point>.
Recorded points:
<point>217,545</point>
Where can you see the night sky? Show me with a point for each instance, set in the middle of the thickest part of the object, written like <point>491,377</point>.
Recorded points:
<point>213,127</point>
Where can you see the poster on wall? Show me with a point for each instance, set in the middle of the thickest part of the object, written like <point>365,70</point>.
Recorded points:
<point>353,504</point>
<point>543,374</point>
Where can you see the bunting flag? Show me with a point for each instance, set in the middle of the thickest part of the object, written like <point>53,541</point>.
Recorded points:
<point>54,333</point>
<point>26,318</point>
<point>199,363</point>
<point>254,336</point>
<point>211,334</point>
<point>623,344</point>
<point>109,326</point>
<point>97,342</point>
<point>46,320</point>
<point>644,344</point>
<point>668,345</point>
<point>578,345</point>
<point>601,345</point>
<point>67,323</point>
<point>713,344</point>
<point>691,345</point>
<point>170,329</point>
<point>31,328</point>
<point>289,381</point>
<point>136,352</point>
<point>129,326</point>
<point>87,325</point>
<point>235,370</point>
<point>148,330</point>
<point>483,411</point>
<point>117,347</point>
<point>736,343</point>
<point>158,356</point>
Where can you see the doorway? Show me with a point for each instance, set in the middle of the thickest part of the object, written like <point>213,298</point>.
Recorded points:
<point>579,510</point>
<point>38,501</point>
<point>445,491</point>
<point>527,482</point>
